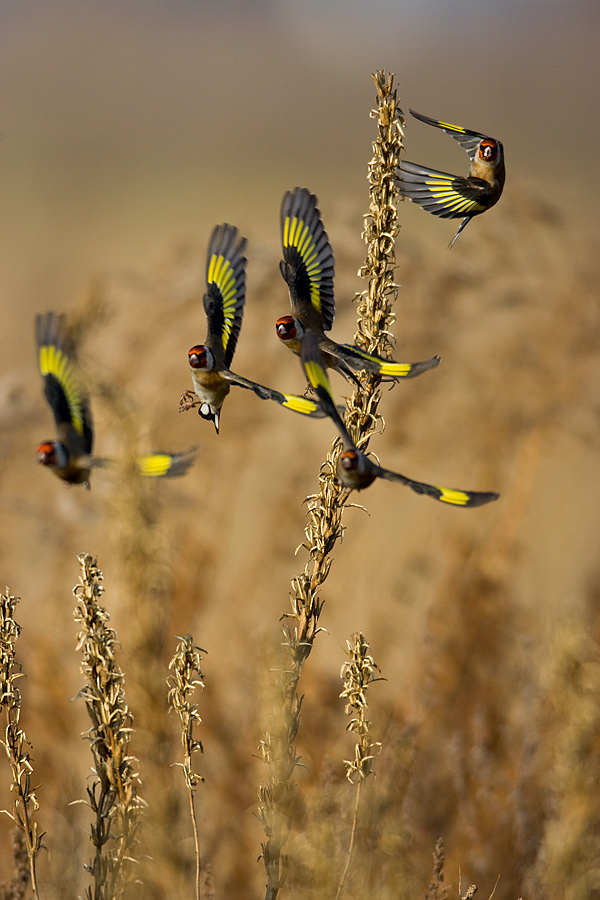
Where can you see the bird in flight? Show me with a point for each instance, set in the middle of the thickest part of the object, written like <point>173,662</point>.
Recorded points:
<point>70,457</point>
<point>307,268</point>
<point>357,471</point>
<point>456,196</point>
<point>224,307</point>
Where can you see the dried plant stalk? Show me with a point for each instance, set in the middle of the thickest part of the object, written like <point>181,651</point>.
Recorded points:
<point>375,305</point>
<point>436,890</point>
<point>15,743</point>
<point>113,796</point>
<point>358,673</point>
<point>325,508</point>
<point>185,678</point>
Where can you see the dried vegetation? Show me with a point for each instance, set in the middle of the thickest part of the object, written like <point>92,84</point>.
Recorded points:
<point>486,625</point>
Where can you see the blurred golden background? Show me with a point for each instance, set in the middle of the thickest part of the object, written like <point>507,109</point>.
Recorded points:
<point>128,131</point>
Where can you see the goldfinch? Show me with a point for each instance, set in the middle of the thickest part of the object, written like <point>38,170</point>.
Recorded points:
<point>307,268</point>
<point>70,456</point>
<point>355,470</point>
<point>224,307</point>
<point>453,196</point>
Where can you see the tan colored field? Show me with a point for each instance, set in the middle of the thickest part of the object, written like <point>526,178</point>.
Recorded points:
<point>485,622</point>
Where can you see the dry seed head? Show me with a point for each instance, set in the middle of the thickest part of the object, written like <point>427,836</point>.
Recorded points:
<point>436,891</point>
<point>185,678</point>
<point>113,796</point>
<point>17,747</point>
<point>358,672</point>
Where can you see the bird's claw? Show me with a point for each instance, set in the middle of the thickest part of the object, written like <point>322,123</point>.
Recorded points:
<point>188,400</point>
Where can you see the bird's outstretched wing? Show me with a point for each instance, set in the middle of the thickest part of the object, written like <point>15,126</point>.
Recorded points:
<point>226,291</point>
<point>316,374</point>
<point>444,495</point>
<point>468,140</point>
<point>359,359</point>
<point>303,405</point>
<point>442,194</point>
<point>169,465</point>
<point>62,388</point>
<point>308,263</point>
<point>360,471</point>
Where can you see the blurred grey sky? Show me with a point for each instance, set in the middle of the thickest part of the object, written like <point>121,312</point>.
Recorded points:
<point>126,126</point>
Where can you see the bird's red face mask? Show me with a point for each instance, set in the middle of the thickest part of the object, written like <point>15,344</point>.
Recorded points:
<point>45,454</point>
<point>488,150</point>
<point>200,357</point>
<point>53,453</point>
<point>288,328</point>
<point>349,460</point>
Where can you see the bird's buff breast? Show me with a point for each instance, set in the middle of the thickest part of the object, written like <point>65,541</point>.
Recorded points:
<point>210,388</point>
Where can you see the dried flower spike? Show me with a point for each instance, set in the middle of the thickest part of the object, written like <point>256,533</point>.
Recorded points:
<point>17,747</point>
<point>358,672</point>
<point>185,678</point>
<point>113,795</point>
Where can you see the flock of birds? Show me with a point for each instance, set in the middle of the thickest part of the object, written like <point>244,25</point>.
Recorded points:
<point>307,268</point>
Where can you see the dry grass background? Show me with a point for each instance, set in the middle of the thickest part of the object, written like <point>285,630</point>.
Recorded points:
<point>484,622</point>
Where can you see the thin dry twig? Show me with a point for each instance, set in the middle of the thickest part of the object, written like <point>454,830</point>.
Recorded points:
<point>185,678</point>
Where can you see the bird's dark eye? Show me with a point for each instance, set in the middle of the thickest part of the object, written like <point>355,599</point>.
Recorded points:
<point>349,460</point>
<point>198,357</point>
<point>286,328</point>
<point>488,150</point>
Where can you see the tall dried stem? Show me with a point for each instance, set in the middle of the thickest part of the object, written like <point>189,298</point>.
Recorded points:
<point>184,679</point>
<point>15,741</point>
<point>358,673</point>
<point>325,508</point>
<point>113,794</point>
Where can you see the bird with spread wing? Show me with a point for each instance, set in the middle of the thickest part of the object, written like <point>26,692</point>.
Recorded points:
<point>70,456</point>
<point>224,307</point>
<point>357,471</point>
<point>455,196</point>
<point>307,268</point>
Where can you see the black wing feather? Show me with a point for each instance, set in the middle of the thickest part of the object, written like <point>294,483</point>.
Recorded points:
<point>440,193</point>
<point>451,496</point>
<point>468,140</point>
<point>226,291</point>
<point>302,405</point>
<point>57,360</point>
<point>308,262</point>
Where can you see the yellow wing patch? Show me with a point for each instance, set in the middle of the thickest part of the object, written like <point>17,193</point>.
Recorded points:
<point>444,194</point>
<point>394,368</point>
<point>451,127</point>
<point>54,362</point>
<point>220,272</point>
<point>300,404</point>
<point>297,234</point>
<point>458,498</point>
<point>155,464</point>
<point>317,376</point>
